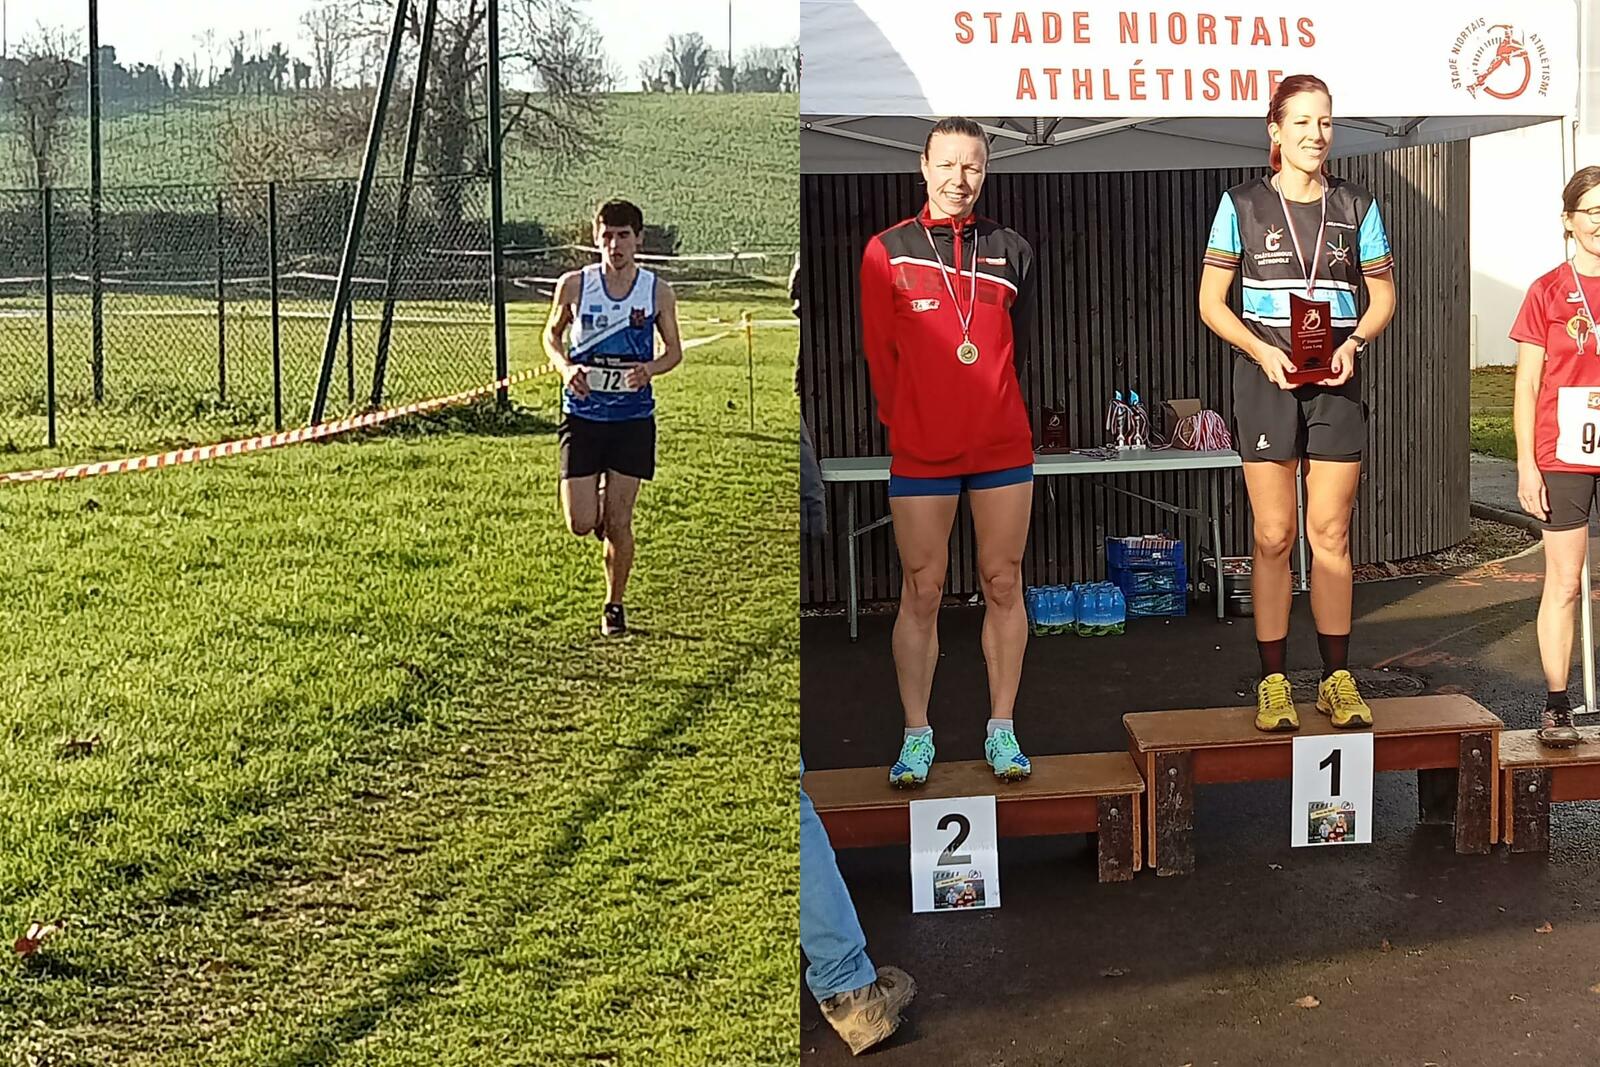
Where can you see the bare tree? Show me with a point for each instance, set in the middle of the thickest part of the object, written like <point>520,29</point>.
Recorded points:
<point>250,145</point>
<point>765,69</point>
<point>545,44</point>
<point>277,66</point>
<point>692,60</point>
<point>332,31</point>
<point>206,41</point>
<point>38,83</point>
<point>656,74</point>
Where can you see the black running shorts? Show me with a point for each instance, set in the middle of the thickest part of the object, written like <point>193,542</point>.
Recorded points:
<point>1310,421</point>
<point>1571,498</point>
<point>589,446</point>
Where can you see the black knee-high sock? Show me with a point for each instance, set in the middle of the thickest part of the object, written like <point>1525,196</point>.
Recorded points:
<point>1272,655</point>
<point>1335,649</point>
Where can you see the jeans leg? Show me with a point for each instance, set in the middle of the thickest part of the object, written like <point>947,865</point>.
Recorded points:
<point>830,934</point>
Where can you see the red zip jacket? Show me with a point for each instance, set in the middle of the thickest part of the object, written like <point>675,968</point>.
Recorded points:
<point>945,417</point>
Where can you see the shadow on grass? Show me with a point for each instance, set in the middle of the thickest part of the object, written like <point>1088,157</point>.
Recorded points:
<point>768,438</point>
<point>483,419</point>
<point>439,964</point>
<point>434,965</point>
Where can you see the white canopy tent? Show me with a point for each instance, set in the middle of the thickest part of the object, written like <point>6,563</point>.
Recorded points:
<point>1104,86</point>
<point>1111,87</point>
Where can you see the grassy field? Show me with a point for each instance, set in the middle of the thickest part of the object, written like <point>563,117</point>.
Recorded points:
<point>743,146</point>
<point>1491,429</point>
<point>369,789</point>
<point>161,376</point>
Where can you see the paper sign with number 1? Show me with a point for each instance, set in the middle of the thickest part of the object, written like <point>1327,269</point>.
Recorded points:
<point>1332,792</point>
<point>955,860</point>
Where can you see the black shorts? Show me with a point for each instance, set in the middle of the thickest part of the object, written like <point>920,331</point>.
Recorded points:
<point>1571,498</point>
<point>1311,421</point>
<point>589,446</point>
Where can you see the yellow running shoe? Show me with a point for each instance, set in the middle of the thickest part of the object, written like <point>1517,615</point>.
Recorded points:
<point>1338,697</point>
<point>1275,704</point>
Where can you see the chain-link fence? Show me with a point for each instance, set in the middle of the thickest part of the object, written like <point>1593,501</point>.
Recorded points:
<point>213,304</point>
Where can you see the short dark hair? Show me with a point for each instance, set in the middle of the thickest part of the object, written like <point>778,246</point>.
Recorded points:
<point>1577,186</point>
<point>620,213</point>
<point>956,124</point>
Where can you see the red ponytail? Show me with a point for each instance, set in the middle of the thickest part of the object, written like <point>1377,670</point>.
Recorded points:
<point>1290,86</point>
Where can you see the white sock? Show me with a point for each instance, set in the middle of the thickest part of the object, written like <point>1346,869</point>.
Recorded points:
<point>999,724</point>
<point>920,731</point>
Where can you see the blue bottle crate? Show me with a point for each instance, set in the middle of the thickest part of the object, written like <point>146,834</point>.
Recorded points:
<point>1159,580</point>
<point>1143,553</point>
<point>1156,605</point>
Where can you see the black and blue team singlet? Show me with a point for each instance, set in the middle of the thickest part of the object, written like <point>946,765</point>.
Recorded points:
<point>1249,235</point>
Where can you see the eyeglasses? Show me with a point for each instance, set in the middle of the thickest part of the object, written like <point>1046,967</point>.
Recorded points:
<point>1592,214</point>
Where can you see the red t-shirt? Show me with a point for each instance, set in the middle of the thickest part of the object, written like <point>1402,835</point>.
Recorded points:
<point>1552,317</point>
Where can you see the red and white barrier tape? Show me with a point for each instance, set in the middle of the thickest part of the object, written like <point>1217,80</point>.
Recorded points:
<point>263,442</point>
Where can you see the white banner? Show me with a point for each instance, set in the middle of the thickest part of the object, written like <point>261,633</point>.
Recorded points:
<point>1379,57</point>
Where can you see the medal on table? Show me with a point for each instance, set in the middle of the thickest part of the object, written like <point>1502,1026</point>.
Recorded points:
<point>966,351</point>
<point>1310,321</point>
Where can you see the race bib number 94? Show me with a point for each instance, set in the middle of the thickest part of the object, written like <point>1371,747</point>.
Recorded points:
<point>1578,426</point>
<point>608,380</point>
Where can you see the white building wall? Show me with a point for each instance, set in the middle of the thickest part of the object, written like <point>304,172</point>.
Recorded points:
<point>1516,200</point>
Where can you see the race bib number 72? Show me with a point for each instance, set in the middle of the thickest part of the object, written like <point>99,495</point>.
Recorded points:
<point>608,380</point>
<point>1578,426</point>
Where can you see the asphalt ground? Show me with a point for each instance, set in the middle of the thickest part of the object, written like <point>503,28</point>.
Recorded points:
<point>1415,955</point>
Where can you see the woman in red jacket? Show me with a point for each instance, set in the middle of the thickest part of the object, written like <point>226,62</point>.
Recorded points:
<point>1556,414</point>
<point>944,300</point>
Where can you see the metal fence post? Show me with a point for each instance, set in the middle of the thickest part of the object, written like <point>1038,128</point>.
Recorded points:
<point>222,318</point>
<point>352,242</point>
<point>350,352</point>
<point>49,318</point>
<point>96,286</point>
<point>502,366</point>
<point>272,274</point>
<point>408,169</point>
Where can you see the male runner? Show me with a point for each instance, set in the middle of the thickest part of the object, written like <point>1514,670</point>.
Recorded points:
<point>608,428</point>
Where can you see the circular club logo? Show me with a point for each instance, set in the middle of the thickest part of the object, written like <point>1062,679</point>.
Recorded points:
<point>1497,60</point>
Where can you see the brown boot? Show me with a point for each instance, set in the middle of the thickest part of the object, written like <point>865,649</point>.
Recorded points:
<point>867,1016</point>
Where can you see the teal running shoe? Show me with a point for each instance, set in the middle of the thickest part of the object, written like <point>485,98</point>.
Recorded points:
<point>1005,756</point>
<point>916,756</point>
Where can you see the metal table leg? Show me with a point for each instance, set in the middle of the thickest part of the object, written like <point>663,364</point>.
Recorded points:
<point>850,539</point>
<point>1216,534</point>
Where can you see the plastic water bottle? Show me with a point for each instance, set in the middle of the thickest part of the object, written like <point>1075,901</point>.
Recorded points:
<point>1069,610</point>
<point>1116,610</point>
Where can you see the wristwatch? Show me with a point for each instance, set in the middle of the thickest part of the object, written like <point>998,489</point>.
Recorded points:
<point>1361,342</point>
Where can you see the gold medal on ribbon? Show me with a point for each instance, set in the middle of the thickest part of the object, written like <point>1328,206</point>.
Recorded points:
<point>966,351</point>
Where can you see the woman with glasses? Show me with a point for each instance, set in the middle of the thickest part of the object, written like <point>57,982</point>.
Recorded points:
<point>1557,418</point>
